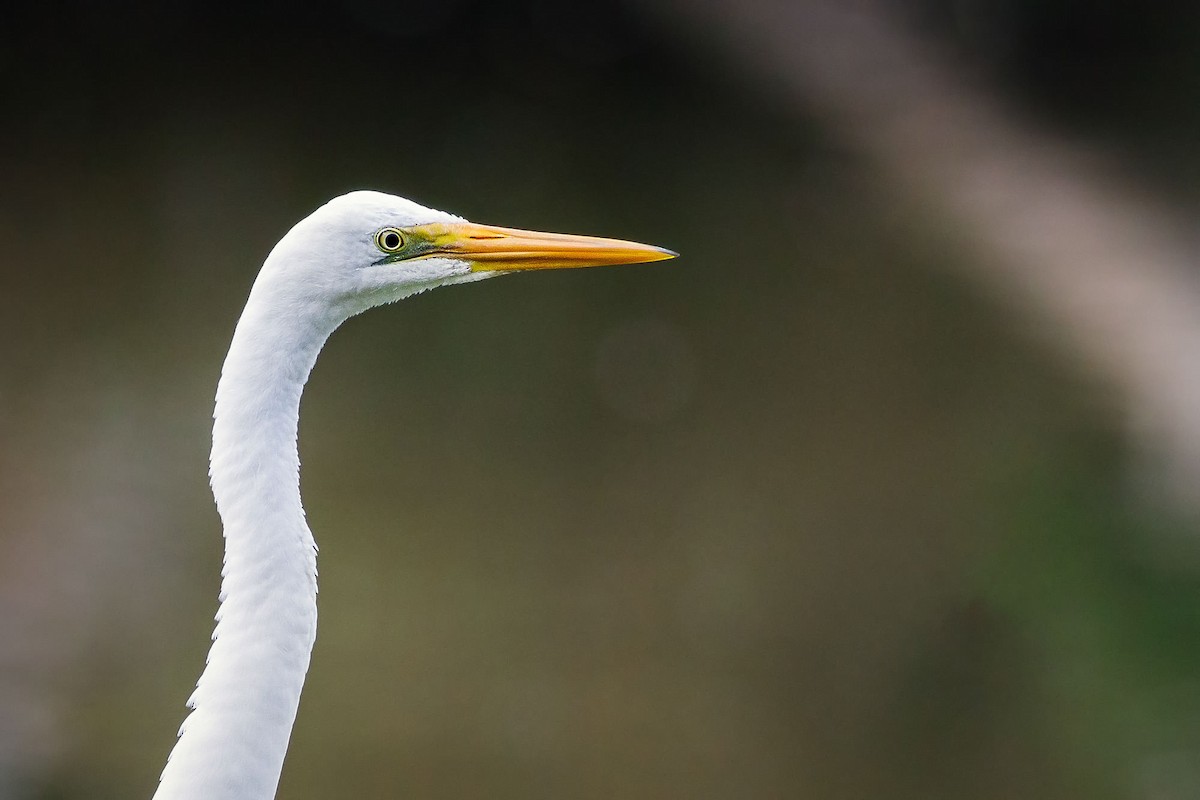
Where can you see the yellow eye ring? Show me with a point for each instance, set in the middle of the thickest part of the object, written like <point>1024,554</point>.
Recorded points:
<point>390,240</point>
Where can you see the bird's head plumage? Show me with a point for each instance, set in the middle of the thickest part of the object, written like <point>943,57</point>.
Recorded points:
<point>366,248</point>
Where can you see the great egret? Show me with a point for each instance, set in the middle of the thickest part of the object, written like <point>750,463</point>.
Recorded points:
<point>357,251</point>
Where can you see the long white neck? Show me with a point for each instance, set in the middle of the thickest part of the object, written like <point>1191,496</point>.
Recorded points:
<point>232,745</point>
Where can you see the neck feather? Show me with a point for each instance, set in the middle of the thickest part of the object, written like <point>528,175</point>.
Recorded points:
<point>232,745</point>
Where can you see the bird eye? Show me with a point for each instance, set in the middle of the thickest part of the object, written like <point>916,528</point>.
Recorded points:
<point>389,240</point>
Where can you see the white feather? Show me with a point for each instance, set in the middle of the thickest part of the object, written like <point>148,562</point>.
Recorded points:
<point>232,745</point>
<point>326,269</point>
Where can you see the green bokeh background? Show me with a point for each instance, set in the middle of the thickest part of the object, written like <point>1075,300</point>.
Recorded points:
<point>800,514</point>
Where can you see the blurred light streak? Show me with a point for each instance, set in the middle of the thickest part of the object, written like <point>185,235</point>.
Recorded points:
<point>1051,228</point>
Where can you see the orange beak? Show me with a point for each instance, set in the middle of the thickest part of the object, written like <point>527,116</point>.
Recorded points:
<point>492,249</point>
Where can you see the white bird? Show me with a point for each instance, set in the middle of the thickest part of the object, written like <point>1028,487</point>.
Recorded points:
<point>357,251</point>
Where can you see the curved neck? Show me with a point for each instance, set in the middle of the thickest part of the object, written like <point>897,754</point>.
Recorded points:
<point>232,745</point>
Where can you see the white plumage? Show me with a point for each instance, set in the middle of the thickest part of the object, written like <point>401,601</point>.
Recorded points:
<point>358,251</point>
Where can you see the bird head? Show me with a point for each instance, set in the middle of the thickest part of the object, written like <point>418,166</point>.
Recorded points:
<point>365,249</point>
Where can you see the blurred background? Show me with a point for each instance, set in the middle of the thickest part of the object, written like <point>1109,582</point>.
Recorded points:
<point>886,488</point>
